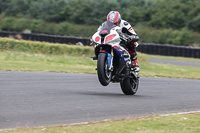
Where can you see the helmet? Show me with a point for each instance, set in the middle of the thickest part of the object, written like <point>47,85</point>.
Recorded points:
<point>114,17</point>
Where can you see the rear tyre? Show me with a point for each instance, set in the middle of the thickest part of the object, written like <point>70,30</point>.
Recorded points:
<point>104,74</point>
<point>129,86</point>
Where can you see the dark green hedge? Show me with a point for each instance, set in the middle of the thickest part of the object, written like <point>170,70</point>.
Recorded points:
<point>147,34</point>
<point>41,26</point>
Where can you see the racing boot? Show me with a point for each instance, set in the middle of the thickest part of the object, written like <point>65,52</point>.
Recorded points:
<point>135,66</point>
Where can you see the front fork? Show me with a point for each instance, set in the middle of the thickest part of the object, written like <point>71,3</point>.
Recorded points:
<point>109,58</point>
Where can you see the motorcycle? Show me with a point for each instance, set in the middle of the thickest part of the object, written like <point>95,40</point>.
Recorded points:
<point>113,59</point>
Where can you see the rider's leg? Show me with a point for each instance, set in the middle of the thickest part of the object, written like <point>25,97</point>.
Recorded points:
<point>133,54</point>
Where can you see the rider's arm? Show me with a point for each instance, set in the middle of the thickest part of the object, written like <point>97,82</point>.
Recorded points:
<point>131,32</point>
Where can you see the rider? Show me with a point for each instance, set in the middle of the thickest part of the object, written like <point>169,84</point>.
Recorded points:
<point>115,18</point>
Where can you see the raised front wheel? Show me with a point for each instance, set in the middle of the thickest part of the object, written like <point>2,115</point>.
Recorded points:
<point>104,74</point>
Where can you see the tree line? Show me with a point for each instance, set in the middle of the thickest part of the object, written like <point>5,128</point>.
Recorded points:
<point>152,15</point>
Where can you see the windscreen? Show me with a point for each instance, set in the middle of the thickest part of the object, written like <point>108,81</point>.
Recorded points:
<point>107,26</point>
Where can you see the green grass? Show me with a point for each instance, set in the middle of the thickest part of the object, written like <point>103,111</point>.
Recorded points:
<point>21,55</point>
<point>169,71</point>
<point>44,47</point>
<point>21,61</point>
<point>174,58</point>
<point>184,123</point>
<point>24,61</point>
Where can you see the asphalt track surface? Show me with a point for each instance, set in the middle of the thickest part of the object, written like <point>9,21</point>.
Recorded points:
<point>32,99</point>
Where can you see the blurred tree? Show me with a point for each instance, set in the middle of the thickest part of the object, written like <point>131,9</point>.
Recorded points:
<point>77,11</point>
<point>194,24</point>
<point>88,11</point>
<point>3,5</point>
<point>170,21</point>
<point>171,15</point>
<point>46,9</point>
<point>41,9</point>
<point>134,15</point>
<point>15,7</point>
<point>99,16</point>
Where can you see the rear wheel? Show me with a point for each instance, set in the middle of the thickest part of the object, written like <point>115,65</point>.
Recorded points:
<point>129,86</point>
<point>104,74</point>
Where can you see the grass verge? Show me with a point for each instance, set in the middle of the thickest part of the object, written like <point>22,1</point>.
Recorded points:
<point>182,123</point>
<point>24,61</point>
<point>44,47</point>
<point>21,55</point>
<point>169,71</point>
<point>174,58</point>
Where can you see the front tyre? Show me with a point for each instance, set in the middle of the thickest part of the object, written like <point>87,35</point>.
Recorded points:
<point>129,86</point>
<point>104,74</point>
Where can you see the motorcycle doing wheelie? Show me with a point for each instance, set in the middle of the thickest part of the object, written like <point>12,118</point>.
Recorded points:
<point>113,58</point>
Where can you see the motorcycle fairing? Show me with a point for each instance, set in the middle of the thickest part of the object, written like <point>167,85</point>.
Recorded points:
<point>120,53</point>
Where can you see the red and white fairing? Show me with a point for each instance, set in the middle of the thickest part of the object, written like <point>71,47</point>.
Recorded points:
<point>112,39</point>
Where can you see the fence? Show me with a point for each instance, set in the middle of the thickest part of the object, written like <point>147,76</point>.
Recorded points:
<point>148,48</point>
<point>46,38</point>
<point>169,50</point>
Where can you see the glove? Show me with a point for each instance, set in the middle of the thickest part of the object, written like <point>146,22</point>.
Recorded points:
<point>133,38</point>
